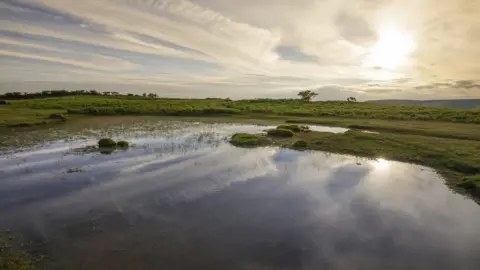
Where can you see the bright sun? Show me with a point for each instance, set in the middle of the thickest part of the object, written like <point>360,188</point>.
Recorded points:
<point>391,49</point>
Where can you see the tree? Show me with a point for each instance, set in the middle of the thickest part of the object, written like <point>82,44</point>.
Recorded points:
<point>307,95</point>
<point>351,99</point>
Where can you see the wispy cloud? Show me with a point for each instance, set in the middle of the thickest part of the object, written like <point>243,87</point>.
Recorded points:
<point>264,48</point>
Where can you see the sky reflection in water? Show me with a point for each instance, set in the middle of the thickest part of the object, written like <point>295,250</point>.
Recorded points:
<point>183,198</point>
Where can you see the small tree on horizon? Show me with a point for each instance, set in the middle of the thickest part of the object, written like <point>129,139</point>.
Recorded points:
<point>307,95</point>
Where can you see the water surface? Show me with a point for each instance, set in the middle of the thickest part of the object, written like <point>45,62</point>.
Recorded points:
<point>183,198</point>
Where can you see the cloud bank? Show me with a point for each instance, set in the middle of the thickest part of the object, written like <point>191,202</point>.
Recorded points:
<point>241,49</point>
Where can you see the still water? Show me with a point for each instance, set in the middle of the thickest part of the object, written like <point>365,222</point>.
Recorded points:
<point>183,198</point>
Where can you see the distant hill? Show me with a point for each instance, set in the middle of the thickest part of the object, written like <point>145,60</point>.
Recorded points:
<point>451,103</point>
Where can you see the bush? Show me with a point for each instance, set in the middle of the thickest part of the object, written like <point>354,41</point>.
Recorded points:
<point>123,144</point>
<point>106,142</point>
<point>300,144</point>
<point>245,139</point>
<point>279,132</point>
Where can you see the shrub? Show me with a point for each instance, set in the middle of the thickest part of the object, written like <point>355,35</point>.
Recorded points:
<point>279,132</point>
<point>106,142</point>
<point>123,144</point>
<point>300,144</point>
<point>245,139</point>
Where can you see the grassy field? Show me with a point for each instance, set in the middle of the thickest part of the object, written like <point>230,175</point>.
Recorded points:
<point>457,160</point>
<point>427,121</point>
<point>96,105</point>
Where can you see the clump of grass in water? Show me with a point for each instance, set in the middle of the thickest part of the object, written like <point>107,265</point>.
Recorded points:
<point>244,139</point>
<point>123,144</point>
<point>279,132</point>
<point>106,142</point>
<point>300,144</point>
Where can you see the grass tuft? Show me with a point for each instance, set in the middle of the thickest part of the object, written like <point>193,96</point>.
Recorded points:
<point>279,132</point>
<point>248,140</point>
<point>300,144</point>
<point>106,142</point>
<point>123,144</point>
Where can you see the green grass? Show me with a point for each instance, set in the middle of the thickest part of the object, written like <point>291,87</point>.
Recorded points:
<point>471,183</point>
<point>300,144</point>
<point>424,128</point>
<point>280,132</point>
<point>457,160</point>
<point>427,121</point>
<point>18,116</point>
<point>294,128</point>
<point>97,105</point>
<point>248,140</point>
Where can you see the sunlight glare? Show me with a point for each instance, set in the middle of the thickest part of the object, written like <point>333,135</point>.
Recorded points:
<point>381,164</point>
<point>391,49</point>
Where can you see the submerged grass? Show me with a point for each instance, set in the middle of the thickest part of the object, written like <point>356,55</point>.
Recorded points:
<point>12,254</point>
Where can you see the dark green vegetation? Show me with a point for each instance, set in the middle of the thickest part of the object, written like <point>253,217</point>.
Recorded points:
<point>287,130</point>
<point>65,93</point>
<point>471,183</point>
<point>107,146</point>
<point>247,140</point>
<point>123,144</point>
<point>107,142</point>
<point>457,160</point>
<point>104,146</point>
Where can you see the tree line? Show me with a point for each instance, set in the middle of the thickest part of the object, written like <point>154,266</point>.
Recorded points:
<point>64,93</point>
<point>305,96</point>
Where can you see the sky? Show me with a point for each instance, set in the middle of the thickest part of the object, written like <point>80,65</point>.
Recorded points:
<point>368,49</point>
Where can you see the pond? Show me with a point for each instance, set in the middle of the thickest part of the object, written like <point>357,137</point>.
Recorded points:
<point>184,198</point>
